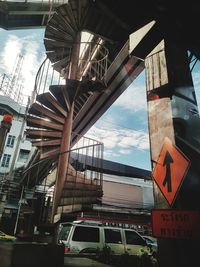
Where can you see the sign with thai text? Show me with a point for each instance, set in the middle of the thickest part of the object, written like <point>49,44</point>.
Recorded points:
<point>179,224</point>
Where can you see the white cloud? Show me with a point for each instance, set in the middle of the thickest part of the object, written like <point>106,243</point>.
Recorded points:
<point>109,153</point>
<point>8,55</point>
<point>133,99</point>
<point>125,151</point>
<point>27,46</point>
<point>121,141</point>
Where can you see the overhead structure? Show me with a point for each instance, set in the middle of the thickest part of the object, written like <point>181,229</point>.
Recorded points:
<point>181,27</point>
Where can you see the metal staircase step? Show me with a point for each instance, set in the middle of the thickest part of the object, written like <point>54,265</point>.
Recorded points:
<point>49,36</point>
<point>63,28</point>
<point>77,179</point>
<point>50,44</point>
<point>41,111</point>
<point>63,23</point>
<point>60,93</point>
<point>50,102</point>
<point>69,11</point>
<point>49,153</point>
<point>57,34</point>
<point>48,142</point>
<point>61,64</point>
<point>44,124</point>
<point>57,54</point>
<point>37,134</point>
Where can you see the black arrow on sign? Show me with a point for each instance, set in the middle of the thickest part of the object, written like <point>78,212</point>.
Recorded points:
<point>168,180</point>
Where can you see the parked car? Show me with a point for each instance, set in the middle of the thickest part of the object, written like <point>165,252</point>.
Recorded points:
<point>5,237</point>
<point>81,237</point>
<point>152,242</point>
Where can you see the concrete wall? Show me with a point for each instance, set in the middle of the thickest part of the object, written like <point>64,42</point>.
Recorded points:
<point>127,192</point>
<point>125,195</point>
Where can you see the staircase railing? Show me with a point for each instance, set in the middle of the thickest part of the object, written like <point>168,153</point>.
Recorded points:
<point>93,63</point>
<point>93,60</point>
<point>84,175</point>
<point>45,77</point>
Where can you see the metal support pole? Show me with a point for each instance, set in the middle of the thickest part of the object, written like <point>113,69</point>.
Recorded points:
<point>173,113</point>
<point>66,137</point>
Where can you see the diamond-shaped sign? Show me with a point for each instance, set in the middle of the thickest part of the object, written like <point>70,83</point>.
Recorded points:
<point>170,170</point>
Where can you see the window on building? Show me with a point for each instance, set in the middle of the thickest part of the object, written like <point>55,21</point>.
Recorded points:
<point>86,234</point>
<point>113,236</point>
<point>5,160</point>
<point>23,155</point>
<point>10,141</point>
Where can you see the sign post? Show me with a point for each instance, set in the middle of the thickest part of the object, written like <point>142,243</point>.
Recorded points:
<point>174,129</point>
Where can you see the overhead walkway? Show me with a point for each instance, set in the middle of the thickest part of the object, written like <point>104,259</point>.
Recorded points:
<point>24,14</point>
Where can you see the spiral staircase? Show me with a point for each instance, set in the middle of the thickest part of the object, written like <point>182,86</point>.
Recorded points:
<point>47,115</point>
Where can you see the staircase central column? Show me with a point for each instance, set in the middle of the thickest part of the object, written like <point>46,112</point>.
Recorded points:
<point>67,130</point>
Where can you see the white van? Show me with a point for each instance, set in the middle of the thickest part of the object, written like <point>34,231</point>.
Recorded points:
<point>82,237</point>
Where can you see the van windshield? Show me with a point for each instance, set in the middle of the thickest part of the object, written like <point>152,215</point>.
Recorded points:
<point>64,233</point>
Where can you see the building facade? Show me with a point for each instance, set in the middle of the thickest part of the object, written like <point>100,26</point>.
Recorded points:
<point>16,153</point>
<point>18,149</point>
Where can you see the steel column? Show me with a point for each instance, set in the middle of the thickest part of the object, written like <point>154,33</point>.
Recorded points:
<point>66,136</point>
<point>173,113</point>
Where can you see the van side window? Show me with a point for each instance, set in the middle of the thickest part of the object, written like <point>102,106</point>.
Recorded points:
<point>64,232</point>
<point>86,234</point>
<point>132,238</point>
<point>113,236</point>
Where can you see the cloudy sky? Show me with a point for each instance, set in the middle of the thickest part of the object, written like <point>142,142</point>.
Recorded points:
<point>123,128</point>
